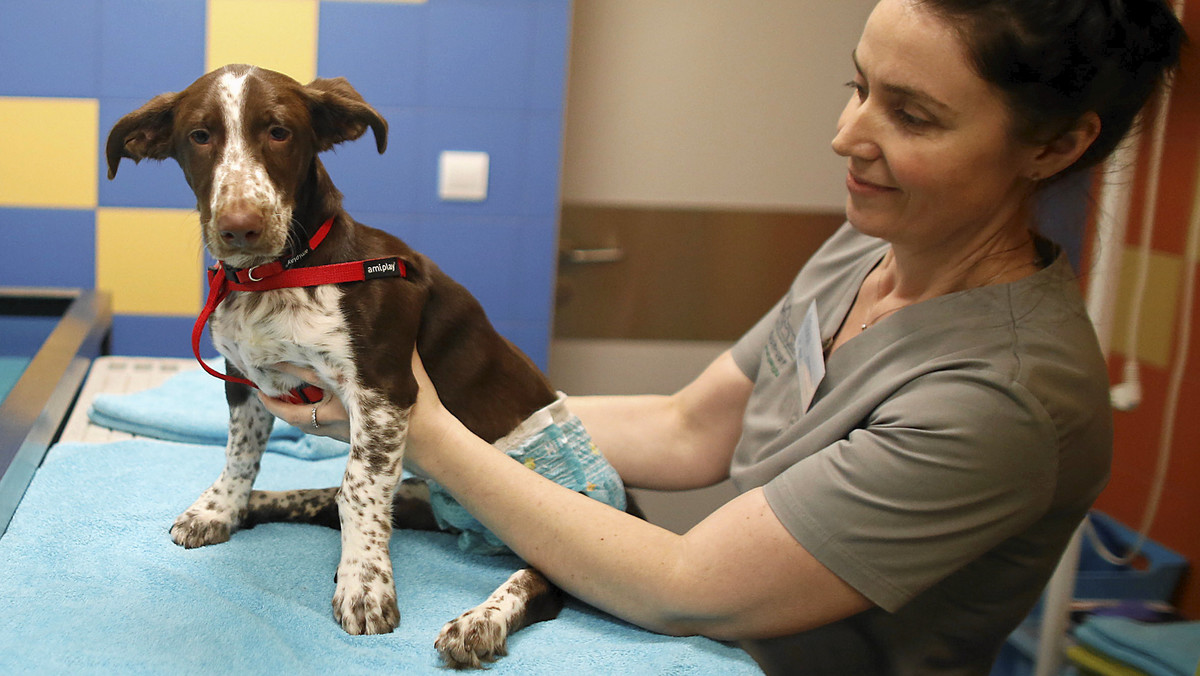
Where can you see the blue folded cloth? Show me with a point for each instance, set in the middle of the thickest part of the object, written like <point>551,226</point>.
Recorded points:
<point>1159,649</point>
<point>92,584</point>
<point>190,407</point>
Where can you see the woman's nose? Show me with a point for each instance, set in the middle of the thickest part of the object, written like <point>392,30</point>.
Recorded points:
<point>854,137</point>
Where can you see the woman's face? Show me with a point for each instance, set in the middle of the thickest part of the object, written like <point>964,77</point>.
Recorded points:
<point>931,159</point>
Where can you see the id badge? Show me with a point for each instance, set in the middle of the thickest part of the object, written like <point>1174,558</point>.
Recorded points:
<point>810,357</point>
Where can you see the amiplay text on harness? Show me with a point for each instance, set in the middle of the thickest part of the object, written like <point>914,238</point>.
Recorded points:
<point>282,274</point>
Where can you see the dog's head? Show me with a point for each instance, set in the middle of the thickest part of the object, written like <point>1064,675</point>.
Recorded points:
<point>247,139</point>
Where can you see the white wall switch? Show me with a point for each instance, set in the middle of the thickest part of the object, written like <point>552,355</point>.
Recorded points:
<point>462,176</point>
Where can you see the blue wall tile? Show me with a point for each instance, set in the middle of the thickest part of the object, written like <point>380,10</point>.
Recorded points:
<point>481,255</point>
<point>48,247</point>
<point>542,163</point>
<point>552,39</point>
<point>149,47</point>
<point>152,336</point>
<point>49,48</point>
<point>480,54</point>
<point>394,37</point>
<point>536,270</point>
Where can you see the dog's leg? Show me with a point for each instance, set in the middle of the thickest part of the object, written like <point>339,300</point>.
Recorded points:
<point>480,635</point>
<point>365,599</point>
<point>221,508</point>
<point>318,506</point>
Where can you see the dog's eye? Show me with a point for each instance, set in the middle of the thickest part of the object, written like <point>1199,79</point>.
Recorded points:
<point>280,134</point>
<point>200,137</point>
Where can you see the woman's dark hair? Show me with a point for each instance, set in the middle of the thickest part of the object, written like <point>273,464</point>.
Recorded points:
<point>1057,60</point>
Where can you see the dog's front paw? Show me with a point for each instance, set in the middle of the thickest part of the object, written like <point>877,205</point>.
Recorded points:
<point>472,639</point>
<point>196,528</point>
<point>365,600</point>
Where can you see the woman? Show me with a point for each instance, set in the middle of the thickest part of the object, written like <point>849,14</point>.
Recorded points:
<point>920,424</point>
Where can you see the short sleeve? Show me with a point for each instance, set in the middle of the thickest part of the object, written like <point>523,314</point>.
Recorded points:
<point>747,351</point>
<point>950,465</point>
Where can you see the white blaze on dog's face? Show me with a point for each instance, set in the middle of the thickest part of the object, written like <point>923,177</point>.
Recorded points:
<point>254,159</point>
<point>245,205</point>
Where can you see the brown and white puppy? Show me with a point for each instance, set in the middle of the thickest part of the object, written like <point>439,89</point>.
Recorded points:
<point>247,140</point>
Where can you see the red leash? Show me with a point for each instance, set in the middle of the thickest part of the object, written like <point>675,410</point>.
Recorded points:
<point>279,275</point>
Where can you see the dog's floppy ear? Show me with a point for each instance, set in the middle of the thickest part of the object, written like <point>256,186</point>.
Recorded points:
<point>143,134</point>
<point>340,114</point>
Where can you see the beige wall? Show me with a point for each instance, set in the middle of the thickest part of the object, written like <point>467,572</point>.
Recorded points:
<point>708,103</point>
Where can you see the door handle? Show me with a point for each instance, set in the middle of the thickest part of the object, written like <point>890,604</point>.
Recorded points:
<point>592,256</point>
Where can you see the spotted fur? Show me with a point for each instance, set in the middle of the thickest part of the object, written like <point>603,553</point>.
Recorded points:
<point>247,140</point>
<point>480,635</point>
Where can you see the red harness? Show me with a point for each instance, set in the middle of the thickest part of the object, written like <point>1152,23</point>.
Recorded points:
<point>281,275</point>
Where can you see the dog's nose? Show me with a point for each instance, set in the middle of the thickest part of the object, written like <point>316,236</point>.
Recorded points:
<point>241,228</point>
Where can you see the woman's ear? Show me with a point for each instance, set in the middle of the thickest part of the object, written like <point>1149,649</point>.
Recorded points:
<point>1062,152</point>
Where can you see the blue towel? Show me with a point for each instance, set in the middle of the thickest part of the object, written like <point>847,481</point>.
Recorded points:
<point>91,583</point>
<point>190,407</point>
<point>1159,649</point>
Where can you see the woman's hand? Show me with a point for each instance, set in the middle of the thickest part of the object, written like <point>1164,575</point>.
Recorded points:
<point>427,424</point>
<point>329,414</point>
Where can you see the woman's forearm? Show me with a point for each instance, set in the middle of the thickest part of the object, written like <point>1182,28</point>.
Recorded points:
<point>553,528</point>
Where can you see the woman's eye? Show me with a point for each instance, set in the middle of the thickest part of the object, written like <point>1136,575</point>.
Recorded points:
<point>280,134</point>
<point>859,90</point>
<point>200,137</point>
<point>907,119</point>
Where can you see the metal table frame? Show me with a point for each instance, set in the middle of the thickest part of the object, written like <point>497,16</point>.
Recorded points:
<point>33,413</point>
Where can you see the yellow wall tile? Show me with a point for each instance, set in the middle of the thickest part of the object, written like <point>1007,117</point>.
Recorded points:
<point>151,260</point>
<point>51,152</point>
<point>1157,323</point>
<point>278,35</point>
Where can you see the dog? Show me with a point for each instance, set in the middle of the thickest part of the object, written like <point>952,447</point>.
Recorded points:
<point>248,141</point>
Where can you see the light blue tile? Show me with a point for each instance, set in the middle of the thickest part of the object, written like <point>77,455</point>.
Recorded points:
<point>151,46</point>
<point>50,48</point>
<point>147,184</point>
<point>392,34</point>
<point>48,247</point>
<point>479,53</point>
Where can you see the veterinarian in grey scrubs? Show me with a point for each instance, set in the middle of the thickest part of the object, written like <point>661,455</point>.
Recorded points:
<point>921,422</point>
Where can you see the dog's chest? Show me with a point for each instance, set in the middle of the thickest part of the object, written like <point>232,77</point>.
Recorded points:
<point>255,330</point>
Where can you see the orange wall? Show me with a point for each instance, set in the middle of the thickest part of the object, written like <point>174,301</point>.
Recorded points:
<point>1138,432</point>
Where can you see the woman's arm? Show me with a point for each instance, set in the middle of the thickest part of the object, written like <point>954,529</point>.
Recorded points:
<point>685,440</point>
<point>737,574</point>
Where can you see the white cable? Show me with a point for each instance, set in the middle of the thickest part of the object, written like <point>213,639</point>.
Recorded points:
<point>1127,395</point>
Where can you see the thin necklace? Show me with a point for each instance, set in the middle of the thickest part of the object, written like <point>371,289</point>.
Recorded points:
<point>1036,262</point>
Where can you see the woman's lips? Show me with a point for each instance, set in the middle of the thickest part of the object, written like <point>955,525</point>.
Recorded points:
<point>857,185</point>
